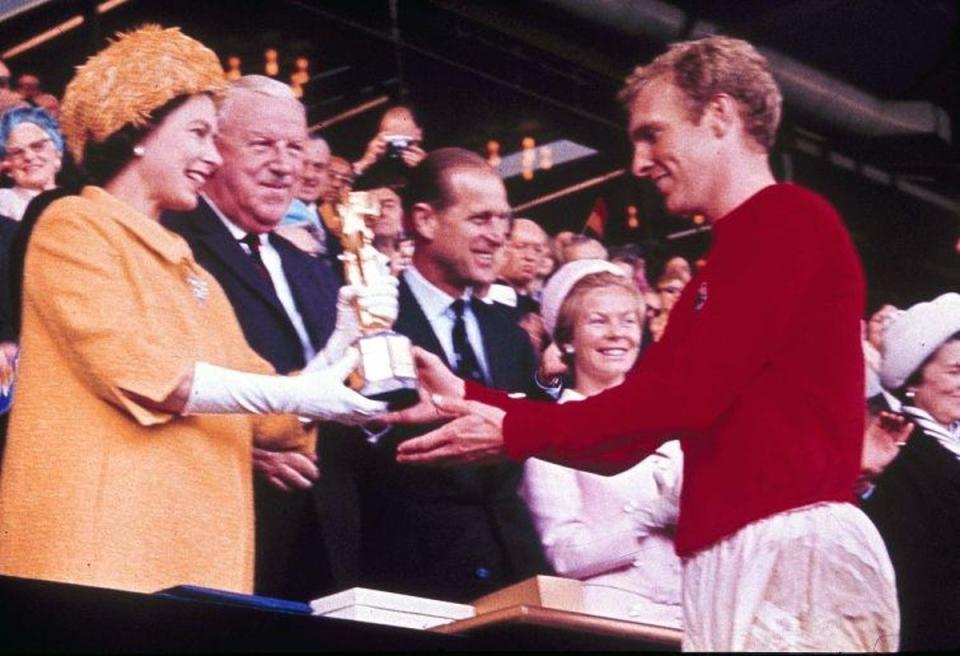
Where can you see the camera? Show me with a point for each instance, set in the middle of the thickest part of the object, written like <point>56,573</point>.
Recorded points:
<point>397,143</point>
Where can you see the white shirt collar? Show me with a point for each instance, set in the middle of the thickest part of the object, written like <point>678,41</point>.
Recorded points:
<point>236,231</point>
<point>948,436</point>
<point>570,394</point>
<point>433,301</point>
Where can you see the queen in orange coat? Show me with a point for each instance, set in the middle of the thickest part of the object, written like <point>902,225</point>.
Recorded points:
<point>128,465</point>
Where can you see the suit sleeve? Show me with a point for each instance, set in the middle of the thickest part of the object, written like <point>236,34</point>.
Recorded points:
<point>7,331</point>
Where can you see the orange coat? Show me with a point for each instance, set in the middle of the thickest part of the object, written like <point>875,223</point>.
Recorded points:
<point>96,488</point>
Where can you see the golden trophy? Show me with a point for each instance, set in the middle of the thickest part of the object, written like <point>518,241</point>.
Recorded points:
<point>386,371</point>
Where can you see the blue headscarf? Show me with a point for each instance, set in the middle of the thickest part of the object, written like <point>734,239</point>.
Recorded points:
<point>39,117</point>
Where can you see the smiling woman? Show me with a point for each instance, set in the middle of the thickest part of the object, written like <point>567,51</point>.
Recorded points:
<point>612,532</point>
<point>128,462</point>
<point>31,149</point>
<point>916,500</point>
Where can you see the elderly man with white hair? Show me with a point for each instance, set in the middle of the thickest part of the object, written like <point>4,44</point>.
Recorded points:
<point>289,308</point>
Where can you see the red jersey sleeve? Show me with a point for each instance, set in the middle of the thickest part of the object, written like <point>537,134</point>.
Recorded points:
<point>727,326</point>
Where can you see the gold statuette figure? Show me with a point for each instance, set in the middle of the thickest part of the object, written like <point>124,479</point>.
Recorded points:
<point>386,371</point>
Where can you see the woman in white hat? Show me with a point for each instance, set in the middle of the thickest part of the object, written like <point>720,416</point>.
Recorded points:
<point>916,500</point>
<point>611,532</point>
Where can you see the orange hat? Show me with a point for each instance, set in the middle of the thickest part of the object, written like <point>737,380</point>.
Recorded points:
<point>135,74</point>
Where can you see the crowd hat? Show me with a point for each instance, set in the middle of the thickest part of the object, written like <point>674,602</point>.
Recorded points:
<point>561,282</point>
<point>915,335</point>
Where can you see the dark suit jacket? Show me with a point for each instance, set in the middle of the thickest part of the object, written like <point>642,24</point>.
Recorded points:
<point>456,533</point>
<point>13,247</point>
<point>16,238</point>
<point>916,508</point>
<point>265,324</point>
<point>299,554</point>
<point>8,230</point>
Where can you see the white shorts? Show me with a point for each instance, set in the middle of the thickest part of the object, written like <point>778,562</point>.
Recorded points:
<point>817,578</point>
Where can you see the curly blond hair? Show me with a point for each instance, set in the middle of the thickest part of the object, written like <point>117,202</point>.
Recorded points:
<point>717,64</point>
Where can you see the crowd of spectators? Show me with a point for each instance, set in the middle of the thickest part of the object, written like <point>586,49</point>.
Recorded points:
<point>501,301</point>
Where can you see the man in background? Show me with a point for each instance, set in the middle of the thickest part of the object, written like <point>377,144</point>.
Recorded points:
<point>452,534</point>
<point>301,224</point>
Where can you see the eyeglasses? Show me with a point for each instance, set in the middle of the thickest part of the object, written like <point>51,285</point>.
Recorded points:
<point>38,147</point>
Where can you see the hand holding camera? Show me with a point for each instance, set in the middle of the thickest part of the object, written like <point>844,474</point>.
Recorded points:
<point>392,145</point>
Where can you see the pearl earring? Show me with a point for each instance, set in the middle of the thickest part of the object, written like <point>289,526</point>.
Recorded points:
<point>910,393</point>
<point>138,151</point>
<point>568,349</point>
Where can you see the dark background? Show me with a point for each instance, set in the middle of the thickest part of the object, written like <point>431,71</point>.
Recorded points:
<point>550,69</point>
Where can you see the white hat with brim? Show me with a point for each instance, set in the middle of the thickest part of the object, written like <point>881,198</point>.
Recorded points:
<point>561,282</point>
<point>915,335</point>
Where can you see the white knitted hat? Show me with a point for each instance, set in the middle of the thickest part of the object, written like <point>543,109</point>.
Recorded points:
<point>915,334</point>
<point>562,282</point>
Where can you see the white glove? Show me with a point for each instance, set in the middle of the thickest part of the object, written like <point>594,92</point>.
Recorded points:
<point>663,510</point>
<point>379,299</point>
<point>318,395</point>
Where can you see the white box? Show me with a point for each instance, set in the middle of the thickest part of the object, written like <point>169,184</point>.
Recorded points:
<point>381,607</point>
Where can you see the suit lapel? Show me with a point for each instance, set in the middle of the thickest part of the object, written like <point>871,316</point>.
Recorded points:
<point>413,323</point>
<point>314,296</point>
<point>225,248</point>
<point>499,360</point>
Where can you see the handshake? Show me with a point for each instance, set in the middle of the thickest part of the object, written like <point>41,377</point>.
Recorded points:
<point>318,392</point>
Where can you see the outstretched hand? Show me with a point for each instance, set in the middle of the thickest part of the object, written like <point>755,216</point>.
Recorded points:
<point>436,381</point>
<point>475,436</point>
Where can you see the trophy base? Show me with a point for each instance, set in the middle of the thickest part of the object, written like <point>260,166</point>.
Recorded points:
<point>398,393</point>
<point>386,371</point>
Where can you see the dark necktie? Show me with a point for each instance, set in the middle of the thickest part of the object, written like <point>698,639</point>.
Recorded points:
<point>253,241</point>
<point>466,366</point>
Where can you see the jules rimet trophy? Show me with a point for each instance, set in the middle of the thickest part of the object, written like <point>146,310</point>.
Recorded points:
<point>386,371</point>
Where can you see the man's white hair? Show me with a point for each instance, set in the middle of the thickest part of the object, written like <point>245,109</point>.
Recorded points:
<point>258,84</point>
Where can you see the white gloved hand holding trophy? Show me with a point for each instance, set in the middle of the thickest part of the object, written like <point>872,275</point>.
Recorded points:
<point>316,395</point>
<point>366,310</point>
<point>362,347</point>
<point>378,300</point>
